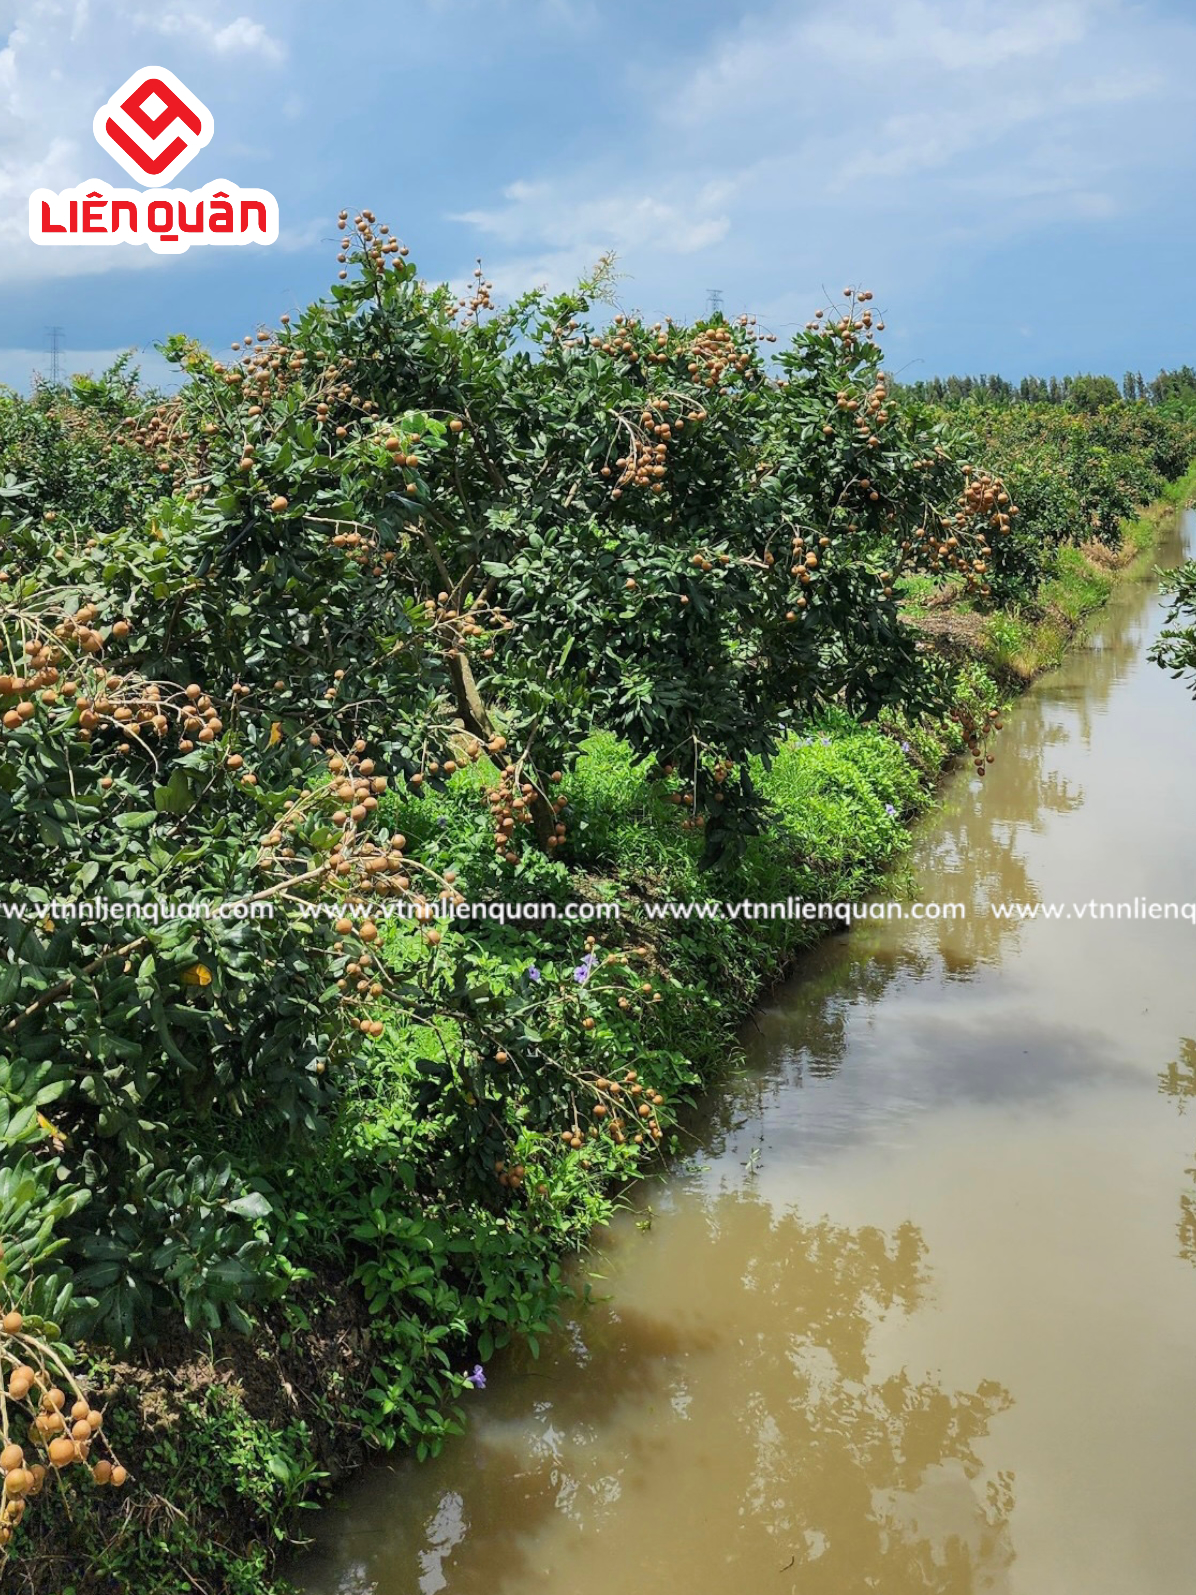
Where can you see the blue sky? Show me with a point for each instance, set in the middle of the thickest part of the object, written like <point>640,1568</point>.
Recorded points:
<point>1013,180</point>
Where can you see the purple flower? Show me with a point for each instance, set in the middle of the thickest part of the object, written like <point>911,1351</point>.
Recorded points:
<point>905,747</point>
<point>826,741</point>
<point>477,1378</point>
<point>586,968</point>
<point>534,975</point>
<point>889,809</point>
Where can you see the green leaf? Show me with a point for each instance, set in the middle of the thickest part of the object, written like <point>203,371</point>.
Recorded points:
<point>176,797</point>
<point>136,821</point>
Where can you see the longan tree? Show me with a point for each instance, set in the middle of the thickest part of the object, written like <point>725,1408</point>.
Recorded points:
<point>638,528</point>
<point>403,531</point>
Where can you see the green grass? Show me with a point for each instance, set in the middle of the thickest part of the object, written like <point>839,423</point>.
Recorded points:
<point>1077,587</point>
<point>917,592</point>
<point>1019,645</point>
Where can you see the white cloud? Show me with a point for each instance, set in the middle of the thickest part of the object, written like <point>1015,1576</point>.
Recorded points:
<point>241,36</point>
<point>863,139</point>
<point>299,236</point>
<point>559,237</point>
<point>569,16</point>
<point>782,58</point>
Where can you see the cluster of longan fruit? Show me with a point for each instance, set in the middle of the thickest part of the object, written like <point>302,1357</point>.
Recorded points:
<point>847,328</point>
<point>708,353</point>
<point>362,550</point>
<point>806,560</point>
<point>626,1110</point>
<point>984,509</point>
<point>43,679</point>
<point>685,798</point>
<point>720,774</point>
<point>128,707</point>
<point>356,786</point>
<point>454,627</point>
<point>63,1436</point>
<point>377,243</point>
<point>359,983</point>
<point>470,749</point>
<point>974,732</point>
<point>450,764</point>
<point>748,324</point>
<point>512,804</point>
<point>77,629</point>
<point>714,353</point>
<point>868,422</point>
<point>984,496</point>
<point>705,564</point>
<point>41,676</point>
<point>478,299</point>
<point>134,707</point>
<point>621,340</point>
<point>266,369</point>
<point>383,865</point>
<point>106,700</point>
<point>159,432</point>
<point>262,354</point>
<point>646,462</point>
<point>356,782</point>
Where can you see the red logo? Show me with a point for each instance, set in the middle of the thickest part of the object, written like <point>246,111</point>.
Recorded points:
<point>153,125</point>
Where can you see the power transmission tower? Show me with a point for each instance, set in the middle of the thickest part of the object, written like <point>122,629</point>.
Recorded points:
<point>55,336</point>
<point>714,303</point>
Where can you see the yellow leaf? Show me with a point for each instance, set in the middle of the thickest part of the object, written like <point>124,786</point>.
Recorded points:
<point>275,733</point>
<point>197,975</point>
<point>52,1129</point>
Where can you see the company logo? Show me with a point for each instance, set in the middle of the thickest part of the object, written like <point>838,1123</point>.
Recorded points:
<point>153,126</point>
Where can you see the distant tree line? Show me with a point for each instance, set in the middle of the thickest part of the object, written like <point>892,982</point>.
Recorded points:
<point>1170,389</point>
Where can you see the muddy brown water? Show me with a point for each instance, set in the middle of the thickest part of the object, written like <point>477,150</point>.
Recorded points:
<point>920,1311</point>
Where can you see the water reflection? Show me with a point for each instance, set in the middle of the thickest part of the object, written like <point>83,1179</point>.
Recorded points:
<point>804,1468</point>
<point>1178,1081</point>
<point>883,992</point>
